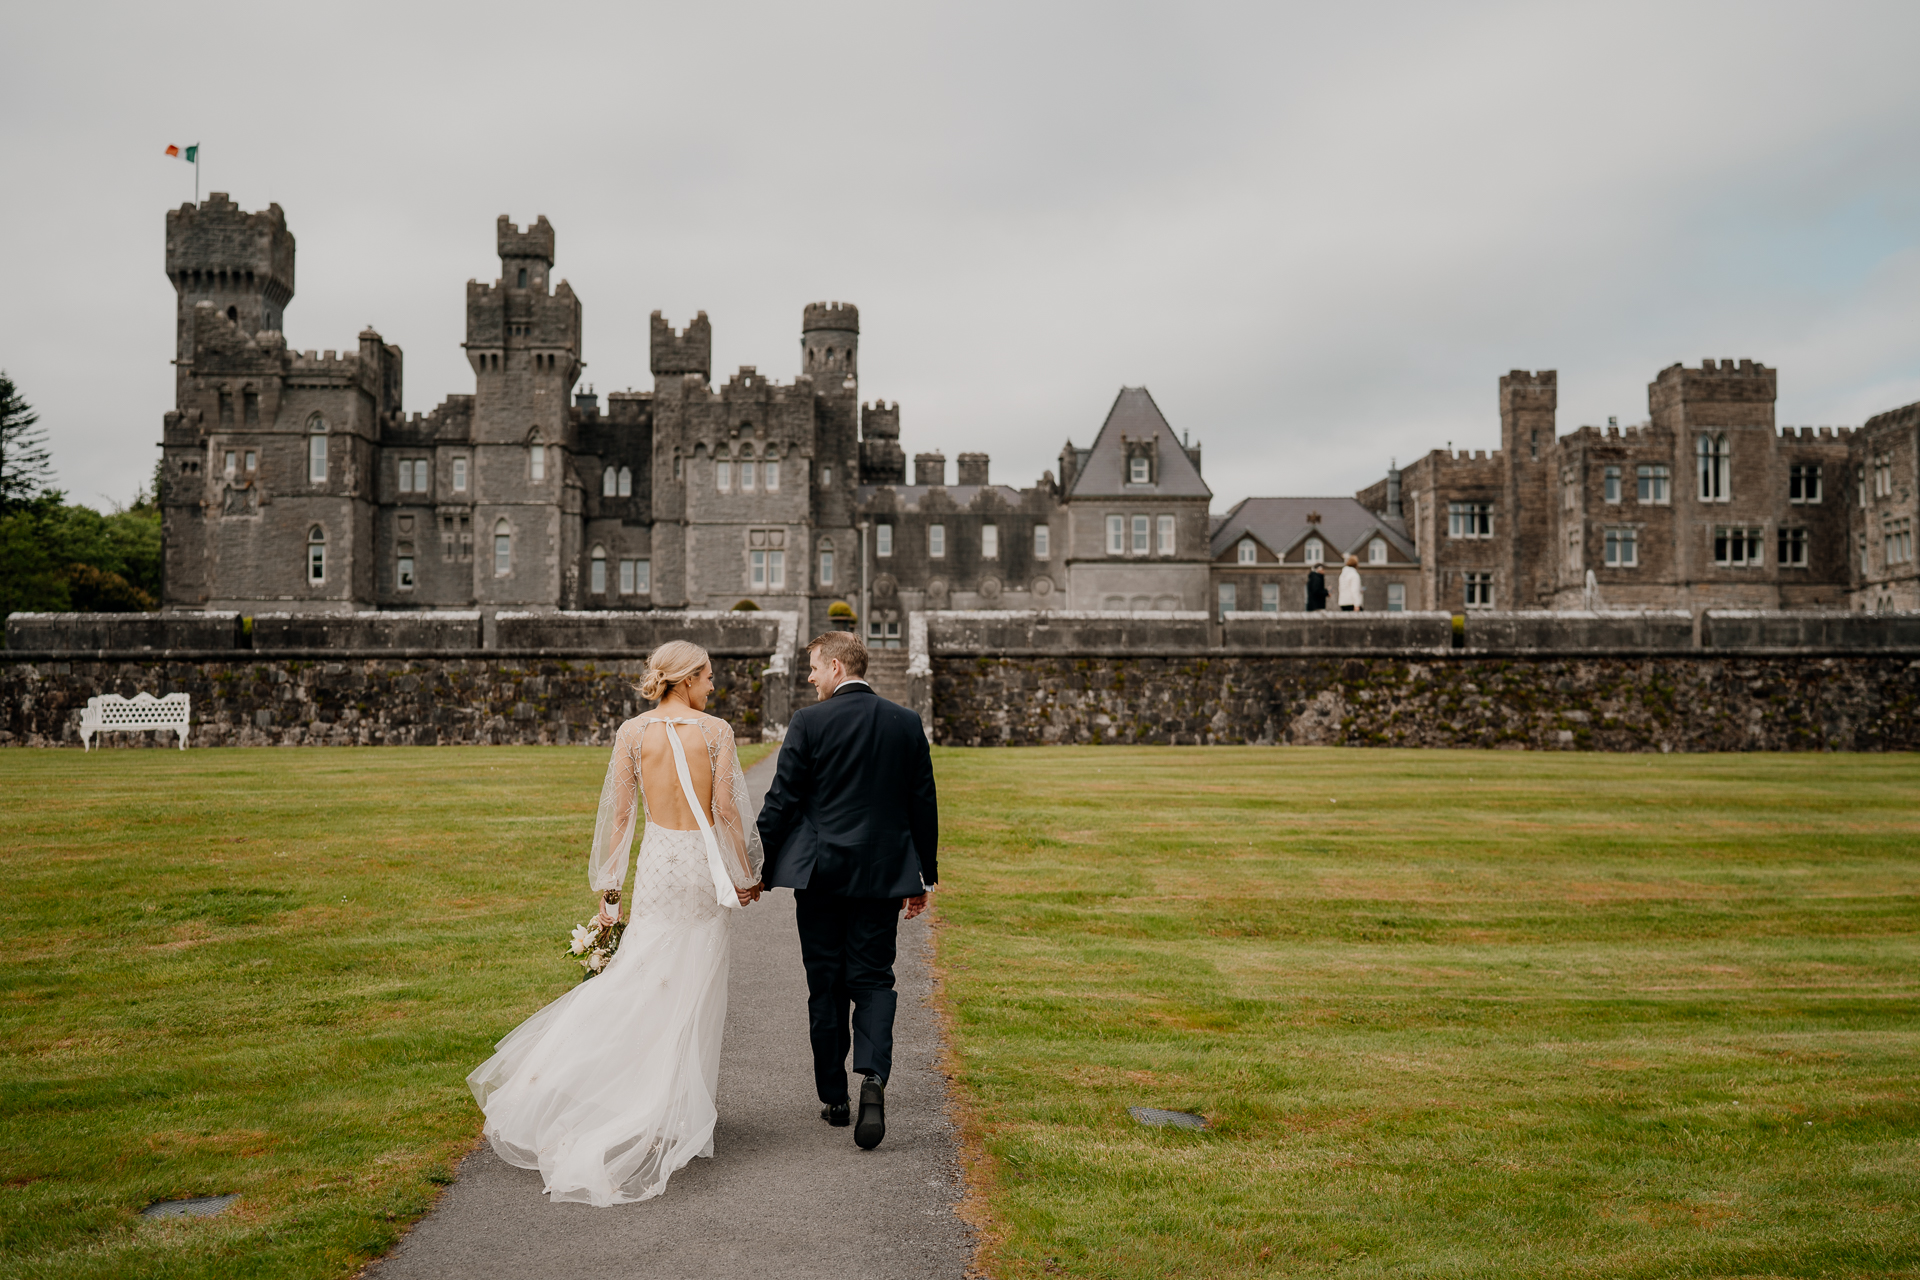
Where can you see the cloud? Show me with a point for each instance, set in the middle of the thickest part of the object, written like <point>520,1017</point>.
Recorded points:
<point>1318,233</point>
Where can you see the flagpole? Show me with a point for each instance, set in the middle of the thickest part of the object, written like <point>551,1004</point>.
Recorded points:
<point>196,174</point>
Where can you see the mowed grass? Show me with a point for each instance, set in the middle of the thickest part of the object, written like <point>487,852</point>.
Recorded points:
<point>1449,1014</point>
<point>265,973</point>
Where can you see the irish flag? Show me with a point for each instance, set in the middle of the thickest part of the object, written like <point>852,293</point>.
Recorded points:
<point>189,154</point>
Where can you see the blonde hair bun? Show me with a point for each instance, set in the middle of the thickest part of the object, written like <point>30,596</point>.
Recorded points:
<point>667,666</point>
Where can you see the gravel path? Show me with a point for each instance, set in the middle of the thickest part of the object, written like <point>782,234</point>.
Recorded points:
<point>785,1195</point>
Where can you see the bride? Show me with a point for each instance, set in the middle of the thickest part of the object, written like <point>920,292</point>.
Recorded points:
<point>610,1088</point>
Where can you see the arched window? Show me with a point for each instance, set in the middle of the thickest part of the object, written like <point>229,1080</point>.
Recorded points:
<point>1377,551</point>
<point>502,549</point>
<point>626,482</point>
<point>317,450</point>
<point>770,475</point>
<point>826,562</point>
<point>1316,551</point>
<point>1246,551</point>
<point>609,483</point>
<point>316,556</point>
<point>1716,460</point>
<point>723,474</point>
<point>598,576</point>
<point>537,460</point>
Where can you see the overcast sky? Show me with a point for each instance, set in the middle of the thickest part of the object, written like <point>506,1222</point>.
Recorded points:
<point>1318,233</point>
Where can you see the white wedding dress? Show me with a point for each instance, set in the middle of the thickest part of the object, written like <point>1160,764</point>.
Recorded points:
<point>610,1089</point>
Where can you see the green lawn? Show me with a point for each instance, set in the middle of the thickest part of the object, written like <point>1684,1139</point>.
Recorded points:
<point>1449,1014</point>
<point>1489,1015</point>
<point>264,972</point>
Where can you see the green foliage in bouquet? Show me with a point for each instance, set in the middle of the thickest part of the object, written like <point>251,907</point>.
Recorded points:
<point>594,944</point>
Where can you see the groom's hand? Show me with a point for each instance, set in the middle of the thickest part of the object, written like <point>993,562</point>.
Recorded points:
<point>914,905</point>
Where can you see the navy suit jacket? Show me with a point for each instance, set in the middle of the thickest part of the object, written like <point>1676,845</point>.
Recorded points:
<point>852,809</point>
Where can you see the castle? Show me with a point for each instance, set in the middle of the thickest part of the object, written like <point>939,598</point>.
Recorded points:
<point>295,482</point>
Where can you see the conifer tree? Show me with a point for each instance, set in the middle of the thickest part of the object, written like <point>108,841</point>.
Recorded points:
<point>26,464</point>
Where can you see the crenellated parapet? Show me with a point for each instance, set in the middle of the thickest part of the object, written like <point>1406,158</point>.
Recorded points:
<point>1720,393</point>
<point>689,350</point>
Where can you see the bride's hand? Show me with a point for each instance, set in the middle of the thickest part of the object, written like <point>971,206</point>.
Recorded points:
<point>751,894</point>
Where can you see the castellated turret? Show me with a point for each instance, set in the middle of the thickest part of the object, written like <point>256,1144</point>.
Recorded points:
<point>882,460</point>
<point>241,263</point>
<point>689,351</point>
<point>830,343</point>
<point>523,341</point>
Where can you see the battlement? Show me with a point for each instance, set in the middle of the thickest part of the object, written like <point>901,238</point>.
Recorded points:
<point>1523,378</point>
<point>1905,417</point>
<point>325,362</point>
<point>218,242</point>
<point>880,421</point>
<point>688,351</point>
<point>535,242</point>
<point>1717,369</point>
<point>1813,434</point>
<point>843,316</point>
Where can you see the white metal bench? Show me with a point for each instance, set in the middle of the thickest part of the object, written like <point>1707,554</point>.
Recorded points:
<point>111,712</point>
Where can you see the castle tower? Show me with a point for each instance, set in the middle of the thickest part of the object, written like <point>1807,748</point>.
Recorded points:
<point>241,263</point>
<point>1528,405</point>
<point>830,344</point>
<point>882,460</point>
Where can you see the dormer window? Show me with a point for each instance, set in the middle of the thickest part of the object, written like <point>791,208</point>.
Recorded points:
<point>1137,469</point>
<point>1377,551</point>
<point>1315,552</point>
<point>1246,551</point>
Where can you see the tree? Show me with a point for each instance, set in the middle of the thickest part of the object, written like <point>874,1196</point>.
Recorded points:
<point>26,464</point>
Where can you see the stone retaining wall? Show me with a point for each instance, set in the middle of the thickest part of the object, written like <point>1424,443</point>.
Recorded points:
<point>363,701</point>
<point>1732,703</point>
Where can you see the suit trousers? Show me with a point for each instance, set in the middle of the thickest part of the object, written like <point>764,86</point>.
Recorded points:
<point>847,946</point>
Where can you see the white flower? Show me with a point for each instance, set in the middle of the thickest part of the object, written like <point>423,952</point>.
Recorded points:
<point>599,961</point>
<point>582,937</point>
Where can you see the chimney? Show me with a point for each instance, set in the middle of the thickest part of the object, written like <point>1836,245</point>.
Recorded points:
<point>930,468</point>
<point>1393,489</point>
<point>973,468</point>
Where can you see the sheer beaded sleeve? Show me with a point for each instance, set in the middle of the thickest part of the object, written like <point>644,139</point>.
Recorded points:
<point>619,812</point>
<point>733,823</point>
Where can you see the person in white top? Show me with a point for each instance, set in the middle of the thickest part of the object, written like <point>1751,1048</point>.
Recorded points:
<point>1350,601</point>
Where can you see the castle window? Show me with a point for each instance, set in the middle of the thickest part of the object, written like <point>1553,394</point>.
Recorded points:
<point>502,549</point>
<point>233,314</point>
<point>1137,469</point>
<point>537,461</point>
<point>883,539</point>
<point>767,570</point>
<point>1248,552</point>
<point>1269,597</point>
<point>233,463</point>
<point>1651,484</point>
<point>1612,484</point>
<point>597,572</point>
<point>1116,535</point>
<point>826,562</point>
<point>1315,552</point>
<point>723,476</point>
<point>1228,597</point>
<point>1377,551</point>
<point>403,572</point>
<point>1897,539</point>
<point>1042,538</point>
<point>770,474</point>
<point>626,482</point>
<point>746,477</point>
<point>1883,476</point>
<point>636,577</point>
<point>317,450</point>
<point>253,460</point>
<point>1792,547</point>
<point>1716,460</point>
<point>1803,482</point>
<point>1479,590</point>
<point>989,542</point>
<point>1736,547</point>
<point>1396,597</point>
<point>826,477</point>
<point>1139,535</point>
<point>1166,535</point>
<point>1622,548</point>
<point>459,475</point>
<point>316,556</point>
<point>523,277</point>
<point>609,483</point>
<point>1470,519</point>
<point>937,541</point>
<point>678,473</point>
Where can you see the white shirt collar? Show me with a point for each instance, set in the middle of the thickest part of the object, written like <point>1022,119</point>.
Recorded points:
<point>844,683</point>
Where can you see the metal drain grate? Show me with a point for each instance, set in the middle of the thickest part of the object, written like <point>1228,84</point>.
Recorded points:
<point>1176,1119</point>
<point>204,1207</point>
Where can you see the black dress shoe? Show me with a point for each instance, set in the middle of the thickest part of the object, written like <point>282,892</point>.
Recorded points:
<point>837,1114</point>
<point>873,1115</point>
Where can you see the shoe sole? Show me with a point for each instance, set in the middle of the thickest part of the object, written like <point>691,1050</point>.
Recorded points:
<point>872,1126</point>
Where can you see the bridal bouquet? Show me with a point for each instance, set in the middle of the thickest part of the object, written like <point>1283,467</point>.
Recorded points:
<point>595,944</point>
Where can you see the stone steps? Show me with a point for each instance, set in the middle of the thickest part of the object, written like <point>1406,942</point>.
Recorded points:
<point>887,673</point>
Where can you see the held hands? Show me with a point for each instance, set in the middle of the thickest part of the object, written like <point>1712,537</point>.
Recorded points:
<point>751,893</point>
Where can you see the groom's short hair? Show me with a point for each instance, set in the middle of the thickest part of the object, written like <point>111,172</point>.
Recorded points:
<point>845,646</point>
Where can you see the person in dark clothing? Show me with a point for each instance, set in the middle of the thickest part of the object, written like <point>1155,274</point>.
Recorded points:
<point>851,825</point>
<point>1316,589</point>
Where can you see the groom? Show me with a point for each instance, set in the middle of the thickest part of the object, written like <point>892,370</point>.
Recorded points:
<point>851,825</point>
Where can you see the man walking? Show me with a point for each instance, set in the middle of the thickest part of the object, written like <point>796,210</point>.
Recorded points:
<point>1316,588</point>
<point>851,824</point>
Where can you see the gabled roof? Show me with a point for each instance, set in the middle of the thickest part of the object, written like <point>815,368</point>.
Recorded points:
<point>1281,524</point>
<point>1104,474</point>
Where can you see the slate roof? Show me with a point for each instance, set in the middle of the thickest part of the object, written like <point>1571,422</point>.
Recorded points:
<point>962,494</point>
<point>1280,524</point>
<point>1104,473</point>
